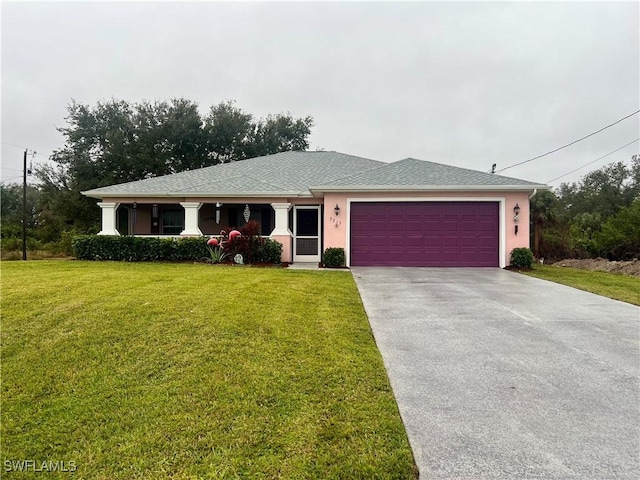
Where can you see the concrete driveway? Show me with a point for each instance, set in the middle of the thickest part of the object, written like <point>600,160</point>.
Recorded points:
<point>499,375</point>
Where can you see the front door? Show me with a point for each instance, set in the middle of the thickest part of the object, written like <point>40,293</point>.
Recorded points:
<point>306,234</point>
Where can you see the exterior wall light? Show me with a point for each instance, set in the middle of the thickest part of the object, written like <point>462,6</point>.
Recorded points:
<point>337,209</point>
<point>516,217</point>
<point>154,216</point>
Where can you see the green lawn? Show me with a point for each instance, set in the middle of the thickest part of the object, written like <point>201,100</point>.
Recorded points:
<point>620,287</point>
<point>194,371</point>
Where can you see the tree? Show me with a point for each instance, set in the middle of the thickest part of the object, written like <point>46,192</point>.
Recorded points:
<point>11,205</point>
<point>280,133</point>
<point>229,131</point>
<point>11,213</point>
<point>619,238</point>
<point>117,141</point>
<point>61,206</point>
<point>574,223</point>
<point>542,206</point>
<point>234,135</point>
<point>604,191</point>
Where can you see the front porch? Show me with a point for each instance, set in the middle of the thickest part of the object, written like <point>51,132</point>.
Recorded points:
<point>297,227</point>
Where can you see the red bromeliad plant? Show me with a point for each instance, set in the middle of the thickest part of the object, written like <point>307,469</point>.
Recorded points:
<point>247,242</point>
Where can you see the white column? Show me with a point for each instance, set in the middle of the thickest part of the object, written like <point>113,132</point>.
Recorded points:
<point>282,219</point>
<point>191,218</point>
<point>108,218</point>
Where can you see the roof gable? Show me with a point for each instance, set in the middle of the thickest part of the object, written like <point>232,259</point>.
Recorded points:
<point>421,174</point>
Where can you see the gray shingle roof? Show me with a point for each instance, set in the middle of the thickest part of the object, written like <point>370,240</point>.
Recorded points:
<point>287,173</point>
<point>421,174</point>
<point>301,173</point>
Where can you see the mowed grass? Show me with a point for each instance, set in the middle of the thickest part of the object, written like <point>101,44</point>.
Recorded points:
<point>619,287</point>
<point>194,371</point>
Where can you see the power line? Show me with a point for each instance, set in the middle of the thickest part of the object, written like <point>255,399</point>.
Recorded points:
<point>593,161</point>
<point>21,147</point>
<point>9,179</point>
<point>569,144</point>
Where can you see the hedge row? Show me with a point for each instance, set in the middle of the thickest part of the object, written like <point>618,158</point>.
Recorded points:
<point>147,249</point>
<point>138,249</point>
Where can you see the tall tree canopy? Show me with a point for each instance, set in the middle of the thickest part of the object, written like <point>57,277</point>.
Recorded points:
<point>604,191</point>
<point>597,215</point>
<point>117,141</point>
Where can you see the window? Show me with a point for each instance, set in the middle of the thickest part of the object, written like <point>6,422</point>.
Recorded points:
<point>263,214</point>
<point>172,221</point>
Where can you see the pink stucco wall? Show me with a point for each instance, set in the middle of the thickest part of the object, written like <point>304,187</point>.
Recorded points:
<point>287,247</point>
<point>336,227</point>
<point>522,238</point>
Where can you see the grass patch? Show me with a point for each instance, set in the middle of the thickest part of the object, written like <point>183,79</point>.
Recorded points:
<point>619,287</point>
<point>32,255</point>
<point>193,371</point>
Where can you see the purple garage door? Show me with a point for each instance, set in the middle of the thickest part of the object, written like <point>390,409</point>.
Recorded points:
<point>425,234</point>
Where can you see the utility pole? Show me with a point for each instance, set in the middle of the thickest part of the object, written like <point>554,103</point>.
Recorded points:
<point>24,208</point>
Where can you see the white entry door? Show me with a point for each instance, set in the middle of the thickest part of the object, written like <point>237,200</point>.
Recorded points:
<point>306,233</point>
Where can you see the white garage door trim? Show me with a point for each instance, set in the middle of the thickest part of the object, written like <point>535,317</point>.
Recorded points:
<point>501,211</point>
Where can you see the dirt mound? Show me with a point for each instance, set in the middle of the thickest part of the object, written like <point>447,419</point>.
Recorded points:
<point>600,264</point>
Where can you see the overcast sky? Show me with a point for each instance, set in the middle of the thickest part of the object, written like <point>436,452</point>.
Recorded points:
<point>467,84</point>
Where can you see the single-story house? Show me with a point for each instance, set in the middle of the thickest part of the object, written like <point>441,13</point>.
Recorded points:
<point>410,212</point>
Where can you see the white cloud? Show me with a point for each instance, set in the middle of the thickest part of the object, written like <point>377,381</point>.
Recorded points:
<point>469,84</point>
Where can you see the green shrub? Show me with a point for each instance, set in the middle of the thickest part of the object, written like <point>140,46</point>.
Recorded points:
<point>11,230</point>
<point>65,244</point>
<point>15,243</point>
<point>333,257</point>
<point>138,249</point>
<point>147,249</point>
<point>619,238</point>
<point>192,248</point>
<point>268,251</point>
<point>521,257</point>
<point>11,243</point>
